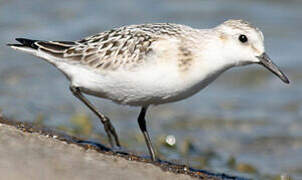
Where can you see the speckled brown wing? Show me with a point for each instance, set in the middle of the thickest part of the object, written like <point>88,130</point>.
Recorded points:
<point>125,46</point>
<point>107,50</point>
<point>115,48</point>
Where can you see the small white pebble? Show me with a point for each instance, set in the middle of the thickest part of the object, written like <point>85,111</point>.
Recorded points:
<point>170,140</point>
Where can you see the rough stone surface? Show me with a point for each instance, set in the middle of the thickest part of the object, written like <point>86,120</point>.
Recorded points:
<point>33,156</point>
<point>30,151</point>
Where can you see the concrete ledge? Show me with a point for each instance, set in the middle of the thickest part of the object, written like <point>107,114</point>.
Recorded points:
<point>28,152</point>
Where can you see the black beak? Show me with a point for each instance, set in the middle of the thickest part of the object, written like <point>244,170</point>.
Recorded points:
<point>268,64</point>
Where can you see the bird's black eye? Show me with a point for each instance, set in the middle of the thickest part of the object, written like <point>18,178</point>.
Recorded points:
<point>242,38</point>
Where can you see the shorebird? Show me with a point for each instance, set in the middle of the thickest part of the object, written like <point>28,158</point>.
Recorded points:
<point>151,64</point>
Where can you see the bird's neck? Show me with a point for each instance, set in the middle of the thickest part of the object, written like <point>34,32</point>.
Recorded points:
<point>209,64</point>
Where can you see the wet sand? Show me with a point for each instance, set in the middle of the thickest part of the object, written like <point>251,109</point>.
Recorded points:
<point>29,152</point>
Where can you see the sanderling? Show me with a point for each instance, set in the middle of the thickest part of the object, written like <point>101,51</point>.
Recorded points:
<point>151,64</point>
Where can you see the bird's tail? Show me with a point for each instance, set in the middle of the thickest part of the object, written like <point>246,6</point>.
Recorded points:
<point>27,45</point>
<point>44,49</point>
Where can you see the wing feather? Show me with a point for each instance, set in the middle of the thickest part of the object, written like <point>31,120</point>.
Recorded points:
<point>125,46</point>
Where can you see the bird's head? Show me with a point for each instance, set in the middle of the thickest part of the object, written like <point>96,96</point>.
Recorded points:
<point>244,44</point>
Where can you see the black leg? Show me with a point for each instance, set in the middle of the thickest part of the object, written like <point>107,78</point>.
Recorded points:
<point>105,120</point>
<point>142,125</point>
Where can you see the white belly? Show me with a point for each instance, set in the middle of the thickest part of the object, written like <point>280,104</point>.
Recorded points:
<point>142,87</point>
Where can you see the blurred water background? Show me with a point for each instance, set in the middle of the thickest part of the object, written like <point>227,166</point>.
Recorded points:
<point>246,123</point>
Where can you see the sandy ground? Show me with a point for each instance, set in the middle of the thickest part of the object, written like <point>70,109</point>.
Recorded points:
<point>29,153</point>
<point>32,156</point>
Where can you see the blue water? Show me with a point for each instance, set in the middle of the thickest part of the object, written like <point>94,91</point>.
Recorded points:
<point>247,113</point>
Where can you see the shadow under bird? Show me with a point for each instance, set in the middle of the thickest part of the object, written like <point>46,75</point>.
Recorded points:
<point>151,64</point>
